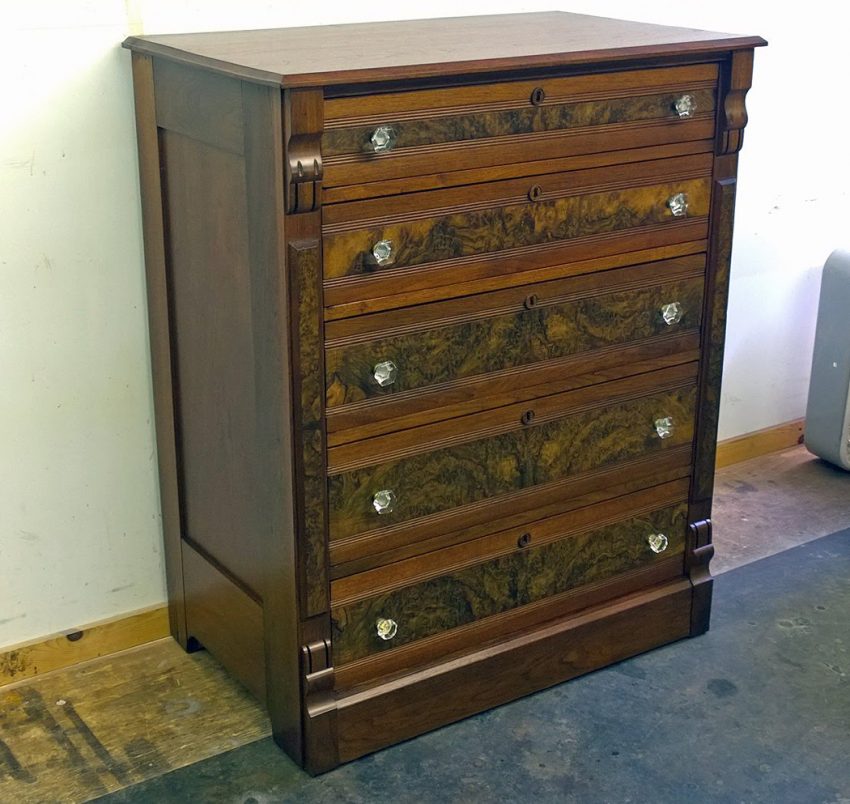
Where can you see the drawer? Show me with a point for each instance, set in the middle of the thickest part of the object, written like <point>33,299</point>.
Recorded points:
<point>398,134</point>
<point>394,606</point>
<point>451,244</point>
<point>565,204</point>
<point>398,478</point>
<point>399,353</point>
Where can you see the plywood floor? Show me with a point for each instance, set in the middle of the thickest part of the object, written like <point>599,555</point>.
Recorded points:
<point>75,734</point>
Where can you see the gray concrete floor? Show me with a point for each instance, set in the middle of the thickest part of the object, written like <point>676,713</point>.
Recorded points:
<point>775,502</point>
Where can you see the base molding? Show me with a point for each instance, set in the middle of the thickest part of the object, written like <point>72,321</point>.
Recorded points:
<point>67,648</point>
<point>421,701</point>
<point>761,442</point>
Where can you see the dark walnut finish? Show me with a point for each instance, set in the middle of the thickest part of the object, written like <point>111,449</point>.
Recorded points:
<point>609,431</point>
<point>406,481</point>
<point>524,575</point>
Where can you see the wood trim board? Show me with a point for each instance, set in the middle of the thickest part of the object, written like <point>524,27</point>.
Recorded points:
<point>68,648</point>
<point>761,442</point>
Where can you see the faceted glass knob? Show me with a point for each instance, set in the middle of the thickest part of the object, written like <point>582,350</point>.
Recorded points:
<point>382,251</point>
<point>664,427</point>
<point>685,106</point>
<point>657,542</point>
<point>386,628</point>
<point>384,501</point>
<point>383,138</point>
<point>672,313</point>
<point>385,373</point>
<point>678,205</point>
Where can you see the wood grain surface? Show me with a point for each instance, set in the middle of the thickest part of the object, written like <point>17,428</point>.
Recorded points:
<point>511,122</point>
<point>333,54</point>
<point>525,662</point>
<point>519,225</point>
<point>491,587</point>
<point>437,481</point>
<point>41,656</point>
<point>345,109</point>
<point>79,733</point>
<point>542,332</point>
<point>304,258</point>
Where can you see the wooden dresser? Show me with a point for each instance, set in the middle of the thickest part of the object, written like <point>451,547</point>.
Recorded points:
<point>437,317</point>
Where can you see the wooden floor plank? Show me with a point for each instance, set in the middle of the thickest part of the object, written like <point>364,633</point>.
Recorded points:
<point>77,733</point>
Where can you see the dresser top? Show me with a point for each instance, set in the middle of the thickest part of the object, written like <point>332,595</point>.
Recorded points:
<point>382,51</point>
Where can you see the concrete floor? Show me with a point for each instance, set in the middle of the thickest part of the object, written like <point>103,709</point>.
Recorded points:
<point>775,502</point>
<point>764,506</point>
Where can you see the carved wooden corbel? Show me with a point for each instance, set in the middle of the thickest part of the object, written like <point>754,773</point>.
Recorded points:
<point>733,117</point>
<point>304,121</point>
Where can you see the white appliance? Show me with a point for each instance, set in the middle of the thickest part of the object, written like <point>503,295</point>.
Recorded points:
<point>828,410</point>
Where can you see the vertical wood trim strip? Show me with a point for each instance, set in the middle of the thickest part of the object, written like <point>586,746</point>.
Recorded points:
<point>304,259</point>
<point>715,331</point>
<point>160,338</point>
<point>735,80</point>
<point>275,480</point>
<point>303,114</point>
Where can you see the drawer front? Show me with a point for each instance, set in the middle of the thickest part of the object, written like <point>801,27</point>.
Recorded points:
<point>381,137</point>
<point>579,439</point>
<point>370,249</point>
<point>521,577</point>
<point>519,327</point>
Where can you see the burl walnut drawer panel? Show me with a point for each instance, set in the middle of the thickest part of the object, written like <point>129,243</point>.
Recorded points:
<point>509,232</point>
<point>520,573</point>
<point>402,351</point>
<point>386,136</point>
<point>368,248</point>
<point>400,477</point>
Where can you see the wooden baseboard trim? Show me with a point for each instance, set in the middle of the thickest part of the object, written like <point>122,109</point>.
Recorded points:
<point>761,442</point>
<point>40,656</point>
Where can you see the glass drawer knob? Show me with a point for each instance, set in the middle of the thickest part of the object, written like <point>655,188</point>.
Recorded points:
<point>383,138</point>
<point>382,251</point>
<point>384,501</point>
<point>386,628</point>
<point>685,106</point>
<point>672,313</point>
<point>678,205</point>
<point>664,427</point>
<point>657,542</point>
<point>385,373</point>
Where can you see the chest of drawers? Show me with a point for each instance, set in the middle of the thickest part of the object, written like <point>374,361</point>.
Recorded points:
<point>437,314</point>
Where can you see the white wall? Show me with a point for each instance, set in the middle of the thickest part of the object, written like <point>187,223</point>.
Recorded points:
<point>79,519</point>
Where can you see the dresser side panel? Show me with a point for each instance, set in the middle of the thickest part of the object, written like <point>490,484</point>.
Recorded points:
<point>159,326</point>
<point>211,304</point>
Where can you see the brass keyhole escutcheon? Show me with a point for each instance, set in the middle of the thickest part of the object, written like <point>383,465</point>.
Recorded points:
<point>524,540</point>
<point>531,300</point>
<point>538,96</point>
<point>535,192</point>
<point>527,417</point>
